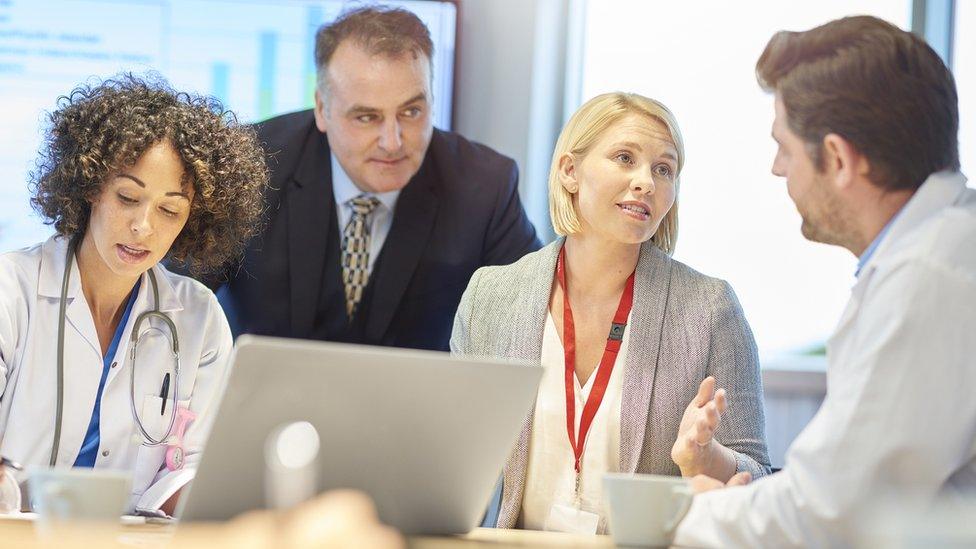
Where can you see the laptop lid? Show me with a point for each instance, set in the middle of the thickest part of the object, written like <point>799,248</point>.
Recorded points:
<point>425,434</point>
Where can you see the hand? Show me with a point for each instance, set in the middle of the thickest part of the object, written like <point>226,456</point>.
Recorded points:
<point>695,449</point>
<point>340,518</point>
<point>702,483</point>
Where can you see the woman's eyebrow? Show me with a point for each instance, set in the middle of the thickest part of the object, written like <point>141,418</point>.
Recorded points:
<point>142,184</point>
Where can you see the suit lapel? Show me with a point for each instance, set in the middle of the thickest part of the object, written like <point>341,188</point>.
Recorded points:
<point>529,311</point>
<point>413,220</point>
<point>310,206</point>
<point>651,289</point>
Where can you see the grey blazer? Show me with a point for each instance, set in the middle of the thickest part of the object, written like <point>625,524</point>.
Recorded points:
<point>684,327</point>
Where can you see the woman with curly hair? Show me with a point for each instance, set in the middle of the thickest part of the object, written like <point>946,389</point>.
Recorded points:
<point>105,355</point>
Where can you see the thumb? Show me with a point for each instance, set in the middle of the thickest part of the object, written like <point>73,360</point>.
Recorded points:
<point>705,391</point>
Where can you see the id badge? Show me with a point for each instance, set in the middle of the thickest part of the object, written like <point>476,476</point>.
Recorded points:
<point>567,518</point>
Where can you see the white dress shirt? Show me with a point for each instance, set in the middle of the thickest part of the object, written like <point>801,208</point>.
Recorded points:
<point>380,220</point>
<point>551,474</point>
<point>899,420</point>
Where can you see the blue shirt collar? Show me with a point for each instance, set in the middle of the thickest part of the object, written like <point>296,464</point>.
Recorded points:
<point>866,256</point>
<point>345,190</point>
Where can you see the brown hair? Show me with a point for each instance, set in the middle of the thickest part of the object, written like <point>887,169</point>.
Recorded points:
<point>99,129</point>
<point>879,87</point>
<point>377,29</point>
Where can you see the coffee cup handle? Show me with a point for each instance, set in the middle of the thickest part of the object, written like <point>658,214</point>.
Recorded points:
<point>682,510</point>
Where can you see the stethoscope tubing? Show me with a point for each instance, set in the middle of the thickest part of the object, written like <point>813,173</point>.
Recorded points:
<point>148,440</point>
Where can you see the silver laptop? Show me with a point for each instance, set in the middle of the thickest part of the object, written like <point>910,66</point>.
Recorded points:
<point>424,433</point>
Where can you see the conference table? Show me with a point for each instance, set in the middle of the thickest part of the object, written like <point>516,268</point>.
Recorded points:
<point>23,533</point>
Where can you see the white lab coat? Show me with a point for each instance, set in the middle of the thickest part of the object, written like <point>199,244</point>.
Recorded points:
<point>30,290</point>
<point>898,423</point>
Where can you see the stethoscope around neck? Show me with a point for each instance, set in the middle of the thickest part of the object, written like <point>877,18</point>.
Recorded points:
<point>148,439</point>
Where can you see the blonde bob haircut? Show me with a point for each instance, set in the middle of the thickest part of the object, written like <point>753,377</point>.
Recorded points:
<point>583,130</point>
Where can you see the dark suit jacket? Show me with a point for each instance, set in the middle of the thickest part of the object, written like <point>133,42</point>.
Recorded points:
<point>459,212</point>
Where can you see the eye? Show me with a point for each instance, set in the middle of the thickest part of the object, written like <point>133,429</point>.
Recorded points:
<point>624,157</point>
<point>366,118</point>
<point>664,170</point>
<point>170,213</point>
<point>126,200</point>
<point>412,112</point>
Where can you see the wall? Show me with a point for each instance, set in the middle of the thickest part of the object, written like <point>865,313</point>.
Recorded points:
<point>511,86</point>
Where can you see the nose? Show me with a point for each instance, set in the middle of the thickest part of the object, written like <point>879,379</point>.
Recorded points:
<point>141,223</point>
<point>391,137</point>
<point>777,167</point>
<point>643,182</point>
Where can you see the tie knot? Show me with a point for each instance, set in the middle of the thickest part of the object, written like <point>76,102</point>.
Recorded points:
<point>364,205</point>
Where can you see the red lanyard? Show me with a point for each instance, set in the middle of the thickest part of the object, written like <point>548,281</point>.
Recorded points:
<point>606,363</point>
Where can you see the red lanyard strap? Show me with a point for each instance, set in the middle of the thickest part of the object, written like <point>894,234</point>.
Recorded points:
<point>614,340</point>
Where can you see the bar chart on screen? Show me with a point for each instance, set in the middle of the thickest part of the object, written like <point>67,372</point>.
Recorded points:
<point>256,57</point>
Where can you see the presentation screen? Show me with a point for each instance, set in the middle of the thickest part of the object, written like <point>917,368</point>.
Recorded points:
<point>255,56</point>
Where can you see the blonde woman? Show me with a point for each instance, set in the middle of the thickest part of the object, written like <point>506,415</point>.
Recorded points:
<point>627,335</point>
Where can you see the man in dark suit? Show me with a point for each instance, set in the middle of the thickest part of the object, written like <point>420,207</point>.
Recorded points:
<point>376,220</point>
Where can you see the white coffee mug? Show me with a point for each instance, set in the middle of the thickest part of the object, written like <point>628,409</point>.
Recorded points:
<point>80,494</point>
<point>645,510</point>
<point>9,492</point>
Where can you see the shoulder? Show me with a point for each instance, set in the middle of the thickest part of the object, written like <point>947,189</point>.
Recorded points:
<point>284,129</point>
<point>506,280</point>
<point>943,244</point>
<point>687,282</point>
<point>18,264</point>
<point>697,298</point>
<point>193,294</point>
<point>20,280</point>
<point>465,161</point>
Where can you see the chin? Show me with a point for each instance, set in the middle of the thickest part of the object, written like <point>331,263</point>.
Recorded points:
<point>813,234</point>
<point>388,184</point>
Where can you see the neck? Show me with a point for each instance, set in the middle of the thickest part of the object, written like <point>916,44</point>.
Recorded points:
<point>596,267</point>
<point>104,290</point>
<point>881,209</point>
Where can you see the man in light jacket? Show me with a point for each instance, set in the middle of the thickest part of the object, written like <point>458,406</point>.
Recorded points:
<point>866,125</point>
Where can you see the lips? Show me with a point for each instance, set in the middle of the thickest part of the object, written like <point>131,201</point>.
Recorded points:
<point>636,210</point>
<point>131,254</point>
<point>384,162</point>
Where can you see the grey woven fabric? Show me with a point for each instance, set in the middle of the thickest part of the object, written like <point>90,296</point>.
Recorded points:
<point>685,327</point>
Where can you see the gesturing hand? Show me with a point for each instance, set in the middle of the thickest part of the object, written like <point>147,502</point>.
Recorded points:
<point>695,449</point>
<point>702,483</point>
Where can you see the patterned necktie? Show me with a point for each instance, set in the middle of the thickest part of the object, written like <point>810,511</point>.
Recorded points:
<point>355,250</point>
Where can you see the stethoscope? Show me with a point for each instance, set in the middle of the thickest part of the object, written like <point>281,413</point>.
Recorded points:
<point>148,440</point>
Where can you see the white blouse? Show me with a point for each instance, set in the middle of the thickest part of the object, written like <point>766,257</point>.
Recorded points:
<point>551,477</point>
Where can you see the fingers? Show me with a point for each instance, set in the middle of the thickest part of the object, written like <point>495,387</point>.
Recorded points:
<point>721,401</point>
<point>704,483</point>
<point>703,432</point>
<point>740,479</point>
<point>705,391</point>
<point>707,423</point>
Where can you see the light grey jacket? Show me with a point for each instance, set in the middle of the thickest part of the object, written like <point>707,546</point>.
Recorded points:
<point>684,327</point>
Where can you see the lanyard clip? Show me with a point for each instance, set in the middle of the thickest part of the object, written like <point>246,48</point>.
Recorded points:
<point>578,495</point>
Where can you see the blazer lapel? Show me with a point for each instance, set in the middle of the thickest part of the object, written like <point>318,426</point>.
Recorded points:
<point>310,205</point>
<point>651,288</point>
<point>413,220</point>
<point>526,344</point>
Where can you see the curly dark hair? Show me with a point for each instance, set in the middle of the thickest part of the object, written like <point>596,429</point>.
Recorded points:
<point>99,129</point>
